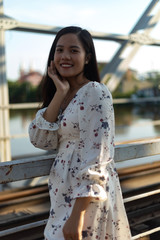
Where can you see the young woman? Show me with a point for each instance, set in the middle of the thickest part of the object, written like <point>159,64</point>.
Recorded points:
<point>77,119</point>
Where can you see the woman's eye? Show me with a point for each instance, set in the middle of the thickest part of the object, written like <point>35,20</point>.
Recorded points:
<point>59,50</point>
<point>74,50</point>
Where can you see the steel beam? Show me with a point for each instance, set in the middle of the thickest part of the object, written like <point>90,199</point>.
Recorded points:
<point>5,149</point>
<point>8,23</point>
<point>119,63</point>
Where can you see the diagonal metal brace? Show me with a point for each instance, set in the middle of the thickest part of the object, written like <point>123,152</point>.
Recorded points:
<point>120,62</point>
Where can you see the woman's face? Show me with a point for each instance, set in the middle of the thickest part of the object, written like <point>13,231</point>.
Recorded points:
<point>70,56</point>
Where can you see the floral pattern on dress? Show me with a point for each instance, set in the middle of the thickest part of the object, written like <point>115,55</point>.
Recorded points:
<point>84,165</point>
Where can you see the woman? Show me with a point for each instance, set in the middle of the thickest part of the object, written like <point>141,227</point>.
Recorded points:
<point>77,119</point>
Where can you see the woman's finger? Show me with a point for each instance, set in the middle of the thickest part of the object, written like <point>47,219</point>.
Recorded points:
<point>50,73</point>
<point>53,67</point>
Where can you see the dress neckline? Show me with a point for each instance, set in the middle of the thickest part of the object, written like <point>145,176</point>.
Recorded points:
<point>61,112</point>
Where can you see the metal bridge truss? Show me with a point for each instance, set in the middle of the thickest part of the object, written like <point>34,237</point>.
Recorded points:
<point>138,36</point>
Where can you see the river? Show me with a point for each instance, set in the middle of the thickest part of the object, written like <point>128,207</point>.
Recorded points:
<point>132,122</point>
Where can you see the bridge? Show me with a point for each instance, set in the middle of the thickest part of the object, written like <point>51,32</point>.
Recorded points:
<point>11,171</point>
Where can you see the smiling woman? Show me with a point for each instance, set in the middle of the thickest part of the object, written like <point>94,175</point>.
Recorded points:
<point>70,48</point>
<point>77,119</point>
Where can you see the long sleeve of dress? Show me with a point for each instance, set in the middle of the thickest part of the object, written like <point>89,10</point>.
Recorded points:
<point>96,123</point>
<point>43,134</point>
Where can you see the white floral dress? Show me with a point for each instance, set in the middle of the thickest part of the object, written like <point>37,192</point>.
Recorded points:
<point>84,165</point>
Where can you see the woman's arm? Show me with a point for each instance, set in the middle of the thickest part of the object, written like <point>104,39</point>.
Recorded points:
<point>43,129</point>
<point>53,108</point>
<point>73,227</point>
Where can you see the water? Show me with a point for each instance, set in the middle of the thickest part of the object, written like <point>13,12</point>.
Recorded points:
<point>132,122</point>
<point>19,122</point>
<point>137,121</point>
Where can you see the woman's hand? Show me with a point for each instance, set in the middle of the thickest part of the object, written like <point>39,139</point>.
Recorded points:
<point>72,229</point>
<point>62,85</point>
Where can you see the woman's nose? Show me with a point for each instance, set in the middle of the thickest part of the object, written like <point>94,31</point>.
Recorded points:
<point>65,55</point>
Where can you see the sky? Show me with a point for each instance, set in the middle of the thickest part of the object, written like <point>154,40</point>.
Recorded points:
<point>108,16</point>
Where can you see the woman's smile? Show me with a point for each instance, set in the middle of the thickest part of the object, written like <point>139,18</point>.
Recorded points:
<point>66,65</point>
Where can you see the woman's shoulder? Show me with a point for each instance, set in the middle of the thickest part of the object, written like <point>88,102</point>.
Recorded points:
<point>94,89</point>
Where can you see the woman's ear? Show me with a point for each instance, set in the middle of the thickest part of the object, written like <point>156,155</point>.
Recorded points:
<point>88,57</point>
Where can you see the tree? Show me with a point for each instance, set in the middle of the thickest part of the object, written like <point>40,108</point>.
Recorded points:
<point>22,92</point>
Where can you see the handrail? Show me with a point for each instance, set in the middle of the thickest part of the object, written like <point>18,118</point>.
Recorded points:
<point>42,164</point>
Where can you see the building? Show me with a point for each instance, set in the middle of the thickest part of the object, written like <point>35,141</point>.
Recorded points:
<point>130,82</point>
<point>31,76</point>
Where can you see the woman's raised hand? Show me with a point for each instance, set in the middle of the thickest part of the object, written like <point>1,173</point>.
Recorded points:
<point>62,87</point>
<point>61,84</point>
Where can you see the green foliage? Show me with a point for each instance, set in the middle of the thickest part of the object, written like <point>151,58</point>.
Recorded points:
<point>101,66</point>
<point>22,92</point>
<point>154,78</point>
<point>118,94</point>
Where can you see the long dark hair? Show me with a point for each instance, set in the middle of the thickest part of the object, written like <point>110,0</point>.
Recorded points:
<point>90,70</point>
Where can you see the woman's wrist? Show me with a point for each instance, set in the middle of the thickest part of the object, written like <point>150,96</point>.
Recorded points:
<point>80,206</point>
<point>53,108</point>
<point>59,97</point>
<point>77,213</point>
